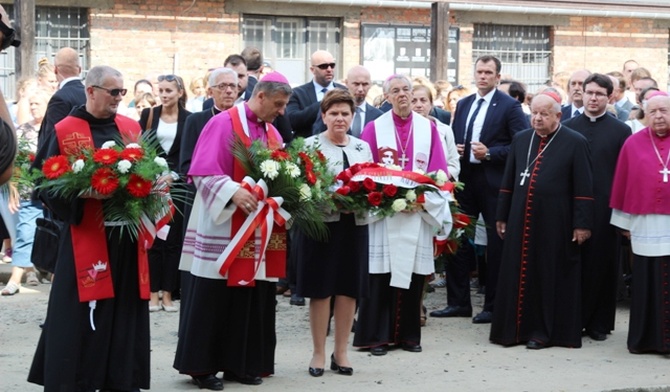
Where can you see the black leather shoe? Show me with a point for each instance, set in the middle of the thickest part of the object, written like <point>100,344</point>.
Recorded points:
<point>315,372</point>
<point>343,370</point>
<point>296,300</point>
<point>379,350</point>
<point>452,311</point>
<point>208,382</point>
<point>484,317</point>
<point>246,379</point>
<point>535,345</point>
<point>413,348</point>
<point>595,335</point>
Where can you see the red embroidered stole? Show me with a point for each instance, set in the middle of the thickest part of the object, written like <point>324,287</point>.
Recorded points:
<point>89,242</point>
<point>243,268</point>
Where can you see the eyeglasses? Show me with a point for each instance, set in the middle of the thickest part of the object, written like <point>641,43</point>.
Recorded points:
<point>113,92</point>
<point>325,66</point>
<point>171,78</point>
<point>596,94</point>
<point>225,86</point>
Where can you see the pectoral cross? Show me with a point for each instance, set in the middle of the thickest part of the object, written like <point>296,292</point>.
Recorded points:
<point>665,173</point>
<point>524,174</point>
<point>404,159</point>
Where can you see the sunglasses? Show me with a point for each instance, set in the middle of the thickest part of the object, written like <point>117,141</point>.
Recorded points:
<point>171,78</point>
<point>113,92</point>
<point>325,66</point>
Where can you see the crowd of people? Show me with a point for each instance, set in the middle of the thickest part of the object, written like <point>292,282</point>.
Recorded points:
<point>570,182</point>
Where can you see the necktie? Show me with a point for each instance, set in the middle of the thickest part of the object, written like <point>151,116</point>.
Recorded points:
<point>356,125</point>
<point>468,132</point>
<point>323,93</point>
<point>576,113</point>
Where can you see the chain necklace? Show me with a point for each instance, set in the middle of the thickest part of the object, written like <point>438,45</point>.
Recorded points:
<point>404,159</point>
<point>525,173</point>
<point>665,170</point>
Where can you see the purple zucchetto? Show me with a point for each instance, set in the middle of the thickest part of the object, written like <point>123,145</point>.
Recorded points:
<point>657,94</point>
<point>275,77</point>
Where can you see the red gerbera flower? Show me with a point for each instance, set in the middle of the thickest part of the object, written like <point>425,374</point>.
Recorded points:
<point>104,181</point>
<point>105,156</point>
<point>375,198</point>
<point>138,186</point>
<point>390,190</point>
<point>31,157</point>
<point>280,155</point>
<point>310,177</point>
<point>306,160</point>
<point>55,167</point>
<point>322,157</point>
<point>132,154</point>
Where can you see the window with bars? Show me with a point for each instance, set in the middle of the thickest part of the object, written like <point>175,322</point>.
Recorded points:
<point>55,27</point>
<point>523,50</point>
<point>288,42</point>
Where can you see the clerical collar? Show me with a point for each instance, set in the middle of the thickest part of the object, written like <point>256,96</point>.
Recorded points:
<point>251,116</point>
<point>550,135</point>
<point>596,118</point>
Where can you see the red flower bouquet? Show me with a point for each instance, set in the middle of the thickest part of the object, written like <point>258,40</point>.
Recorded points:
<point>127,175</point>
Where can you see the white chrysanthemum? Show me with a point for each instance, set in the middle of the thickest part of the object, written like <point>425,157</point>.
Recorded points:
<point>270,169</point>
<point>108,144</point>
<point>410,196</point>
<point>305,192</point>
<point>123,166</point>
<point>292,170</point>
<point>133,145</point>
<point>399,205</point>
<point>161,162</point>
<point>440,177</point>
<point>78,165</point>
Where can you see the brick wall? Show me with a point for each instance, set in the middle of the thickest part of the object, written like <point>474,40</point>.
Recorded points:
<point>604,44</point>
<point>140,37</point>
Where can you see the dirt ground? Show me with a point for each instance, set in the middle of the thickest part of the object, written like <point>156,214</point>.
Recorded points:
<point>456,357</point>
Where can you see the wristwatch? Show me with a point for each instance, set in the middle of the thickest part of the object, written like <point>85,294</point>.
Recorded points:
<point>174,175</point>
<point>488,155</point>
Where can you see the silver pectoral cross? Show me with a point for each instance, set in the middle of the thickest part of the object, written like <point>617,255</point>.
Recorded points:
<point>524,174</point>
<point>665,173</point>
<point>404,159</point>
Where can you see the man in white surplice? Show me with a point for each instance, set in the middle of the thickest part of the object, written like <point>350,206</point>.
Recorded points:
<point>401,247</point>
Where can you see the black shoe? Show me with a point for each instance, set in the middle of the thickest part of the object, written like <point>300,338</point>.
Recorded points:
<point>315,372</point>
<point>413,348</point>
<point>379,350</point>
<point>343,370</point>
<point>296,300</point>
<point>535,345</point>
<point>208,382</point>
<point>484,317</point>
<point>246,379</point>
<point>452,311</point>
<point>595,335</point>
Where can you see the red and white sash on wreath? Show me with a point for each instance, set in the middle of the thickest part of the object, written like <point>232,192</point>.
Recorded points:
<point>89,241</point>
<point>385,133</point>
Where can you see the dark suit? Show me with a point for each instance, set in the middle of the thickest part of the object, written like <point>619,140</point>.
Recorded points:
<point>303,110</point>
<point>566,113</point>
<point>371,114</point>
<point>72,94</point>
<point>251,83</point>
<point>192,129</point>
<point>504,118</point>
<point>441,115</point>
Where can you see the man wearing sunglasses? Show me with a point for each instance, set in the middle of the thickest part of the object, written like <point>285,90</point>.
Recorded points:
<point>104,314</point>
<point>303,107</point>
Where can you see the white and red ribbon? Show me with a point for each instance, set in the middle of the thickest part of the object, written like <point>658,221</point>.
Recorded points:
<point>267,213</point>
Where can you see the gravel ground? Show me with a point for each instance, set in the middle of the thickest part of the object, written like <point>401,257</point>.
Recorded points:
<point>456,356</point>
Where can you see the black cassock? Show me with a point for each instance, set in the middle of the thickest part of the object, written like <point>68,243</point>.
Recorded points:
<point>539,287</point>
<point>70,356</point>
<point>606,135</point>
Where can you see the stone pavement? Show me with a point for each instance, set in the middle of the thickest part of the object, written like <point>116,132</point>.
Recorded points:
<point>456,357</point>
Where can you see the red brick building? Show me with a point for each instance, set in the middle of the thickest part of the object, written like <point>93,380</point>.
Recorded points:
<point>534,38</point>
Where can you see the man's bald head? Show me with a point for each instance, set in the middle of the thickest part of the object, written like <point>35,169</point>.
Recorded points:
<point>66,63</point>
<point>322,67</point>
<point>358,82</point>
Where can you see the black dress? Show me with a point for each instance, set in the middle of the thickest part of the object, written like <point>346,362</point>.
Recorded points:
<point>338,266</point>
<point>70,356</point>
